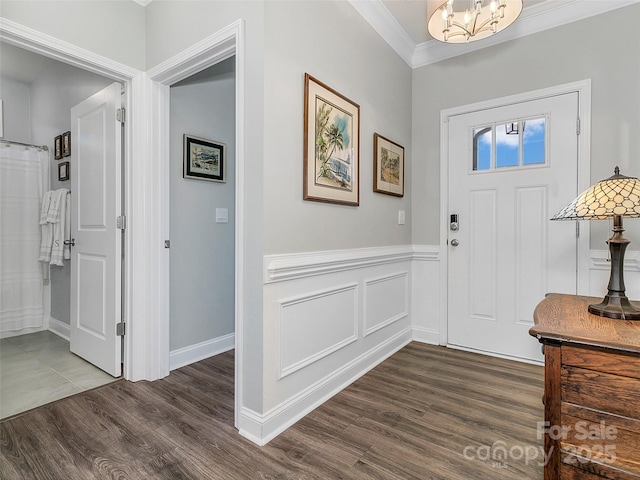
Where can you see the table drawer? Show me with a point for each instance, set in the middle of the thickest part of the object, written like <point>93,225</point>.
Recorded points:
<point>601,391</point>
<point>619,363</point>
<point>568,472</point>
<point>605,443</point>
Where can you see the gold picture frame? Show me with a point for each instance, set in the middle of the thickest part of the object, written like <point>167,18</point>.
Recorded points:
<point>388,166</point>
<point>331,145</point>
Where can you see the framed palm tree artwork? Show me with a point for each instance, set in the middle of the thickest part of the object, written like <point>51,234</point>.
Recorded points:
<point>331,145</point>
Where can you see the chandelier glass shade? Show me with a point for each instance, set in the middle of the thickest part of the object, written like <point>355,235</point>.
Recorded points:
<point>480,19</point>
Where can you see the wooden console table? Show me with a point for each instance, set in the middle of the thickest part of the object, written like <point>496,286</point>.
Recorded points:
<point>592,391</point>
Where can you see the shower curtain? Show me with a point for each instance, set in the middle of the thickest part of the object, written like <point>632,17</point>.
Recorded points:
<point>24,176</point>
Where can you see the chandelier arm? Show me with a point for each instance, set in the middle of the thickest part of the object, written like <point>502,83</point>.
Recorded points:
<point>461,27</point>
<point>481,28</point>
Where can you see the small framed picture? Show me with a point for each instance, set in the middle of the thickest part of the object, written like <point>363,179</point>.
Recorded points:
<point>388,166</point>
<point>66,144</point>
<point>63,171</point>
<point>204,159</point>
<point>57,147</point>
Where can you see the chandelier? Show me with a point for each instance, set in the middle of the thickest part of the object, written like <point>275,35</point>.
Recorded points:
<point>480,20</point>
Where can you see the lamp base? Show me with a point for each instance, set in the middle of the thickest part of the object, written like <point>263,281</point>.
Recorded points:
<point>613,306</point>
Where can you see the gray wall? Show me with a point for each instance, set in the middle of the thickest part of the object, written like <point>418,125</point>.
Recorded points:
<point>16,99</point>
<point>114,29</point>
<point>603,48</point>
<point>202,251</point>
<point>332,42</point>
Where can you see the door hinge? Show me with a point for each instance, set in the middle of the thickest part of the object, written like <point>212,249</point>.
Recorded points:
<point>120,329</point>
<point>578,126</point>
<point>120,115</point>
<point>577,229</point>
<point>121,222</point>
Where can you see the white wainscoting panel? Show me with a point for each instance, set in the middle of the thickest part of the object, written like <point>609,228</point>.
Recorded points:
<point>386,300</point>
<point>428,304</point>
<point>328,318</point>
<point>315,325</point>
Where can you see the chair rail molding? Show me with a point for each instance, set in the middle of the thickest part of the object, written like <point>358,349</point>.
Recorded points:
<point>283,267</point>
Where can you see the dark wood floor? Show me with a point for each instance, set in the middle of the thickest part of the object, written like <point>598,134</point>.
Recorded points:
<point>425,413</point>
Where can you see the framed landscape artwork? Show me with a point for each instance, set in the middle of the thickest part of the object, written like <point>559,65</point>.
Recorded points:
<point>63,171</point>
<point>331,145</point>
<point>204,159</point>
<point>57,147</point>
<point>388,166</point>
<point>66,144</point>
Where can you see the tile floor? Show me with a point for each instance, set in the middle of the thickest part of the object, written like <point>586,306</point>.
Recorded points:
<point>38,368</point>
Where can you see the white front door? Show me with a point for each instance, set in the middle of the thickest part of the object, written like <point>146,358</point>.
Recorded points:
<point>96,203</point>
<point>510,169</point>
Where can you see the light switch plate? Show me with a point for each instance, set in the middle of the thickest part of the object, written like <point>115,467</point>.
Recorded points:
<point>400,217</point>
<point>222,215</point>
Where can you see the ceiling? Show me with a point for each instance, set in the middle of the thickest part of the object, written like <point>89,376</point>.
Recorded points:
<point>402,23</point>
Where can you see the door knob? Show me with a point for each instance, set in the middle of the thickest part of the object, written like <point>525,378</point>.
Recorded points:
<point>455,242</point>
<point>71,242</point>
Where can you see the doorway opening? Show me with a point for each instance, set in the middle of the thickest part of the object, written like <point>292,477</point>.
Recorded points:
<point>217,48</point>
<point>35,116</point>
<point>202,214</point>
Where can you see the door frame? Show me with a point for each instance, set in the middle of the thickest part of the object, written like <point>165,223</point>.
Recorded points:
<point>221,45</point>
<point>583,88</point>
<point>134,354</point>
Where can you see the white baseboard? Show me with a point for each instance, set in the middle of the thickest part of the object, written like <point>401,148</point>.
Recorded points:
<point>426,335</point>
<point>59,328</point>
<point>261,429</point>
<point>200,351</point>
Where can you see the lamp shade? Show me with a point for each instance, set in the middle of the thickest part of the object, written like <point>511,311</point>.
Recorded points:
<point>616,195</point>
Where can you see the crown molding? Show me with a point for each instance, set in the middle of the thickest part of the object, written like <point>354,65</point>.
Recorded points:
<point>533,19</point>
<point>383,22</point>
<point>144,3</point>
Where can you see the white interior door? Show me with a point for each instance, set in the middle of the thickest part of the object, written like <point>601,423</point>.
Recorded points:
<point>506,254</point>
<point>96,202</point>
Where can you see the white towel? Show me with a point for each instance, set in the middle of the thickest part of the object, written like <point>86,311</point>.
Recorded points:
<point>57,227</point>
<point>44,208</point>
<point>59,205</point>
<point>45,229</point>
<point>57,202</point>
